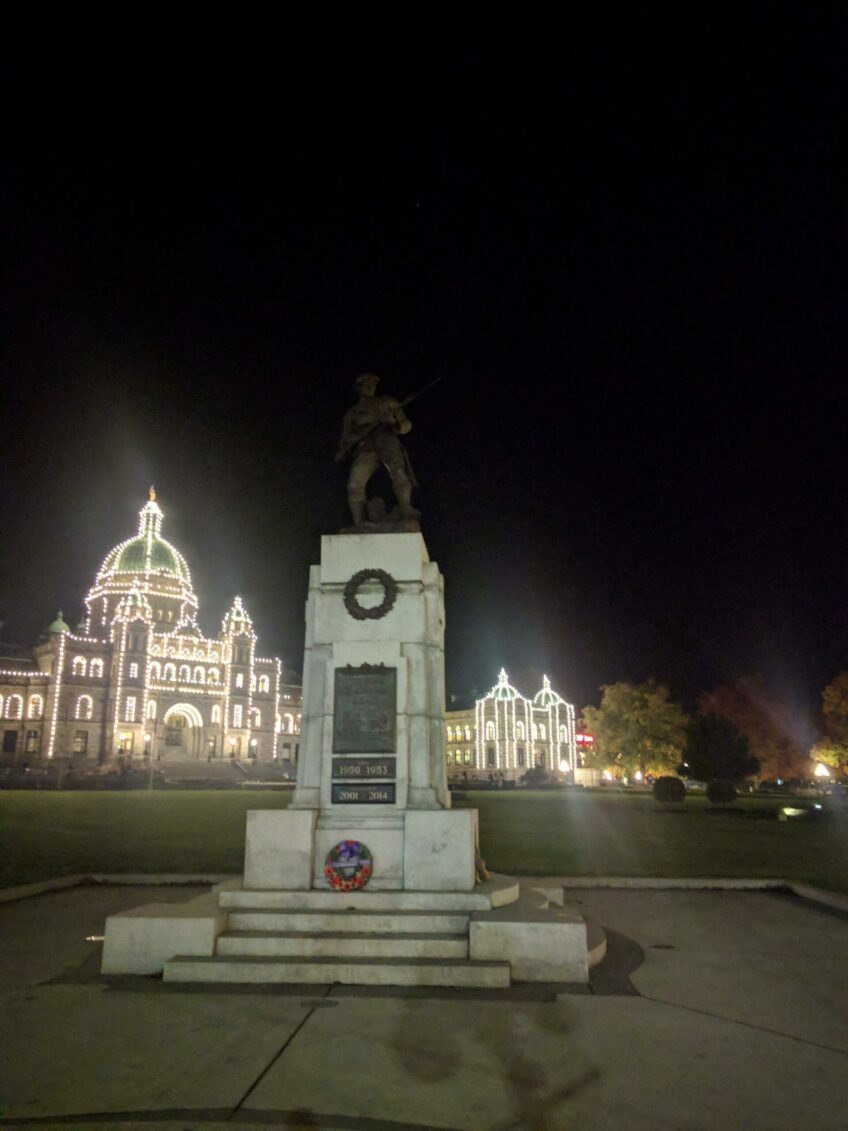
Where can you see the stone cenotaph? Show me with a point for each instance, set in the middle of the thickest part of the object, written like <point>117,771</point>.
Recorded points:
<point>372,760</point>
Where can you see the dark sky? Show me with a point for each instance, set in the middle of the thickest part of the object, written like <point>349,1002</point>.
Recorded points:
<point>619,236</point>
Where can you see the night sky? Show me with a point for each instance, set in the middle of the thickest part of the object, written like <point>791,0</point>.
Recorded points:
<point>618,236</point>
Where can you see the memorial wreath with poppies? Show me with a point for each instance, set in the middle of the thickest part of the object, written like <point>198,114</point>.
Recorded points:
<point>348,866</point>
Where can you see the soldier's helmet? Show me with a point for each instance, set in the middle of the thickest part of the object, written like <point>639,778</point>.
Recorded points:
<point>362,378</point>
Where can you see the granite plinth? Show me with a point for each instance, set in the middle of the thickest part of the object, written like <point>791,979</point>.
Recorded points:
<point>141,941</point>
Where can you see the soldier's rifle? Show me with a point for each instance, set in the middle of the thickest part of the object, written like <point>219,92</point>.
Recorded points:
<point>343,451</point>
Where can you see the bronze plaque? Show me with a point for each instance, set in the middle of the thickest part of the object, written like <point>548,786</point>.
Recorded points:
<point>364,769</point>
<point>355,793</point>
<point>365,714</point>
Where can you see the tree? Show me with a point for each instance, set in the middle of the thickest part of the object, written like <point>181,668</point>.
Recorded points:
<point>832,750</point>
<point>637,727</point>
<point>777,736</point>
<point>716,748</point>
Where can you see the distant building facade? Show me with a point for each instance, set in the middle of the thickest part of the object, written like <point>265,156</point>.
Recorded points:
<point>505,734</point>
<point>139,678</point>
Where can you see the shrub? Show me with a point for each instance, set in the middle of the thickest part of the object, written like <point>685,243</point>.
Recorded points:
<point>669,791</point>
<point>536,778</point>
<point>721,792</point>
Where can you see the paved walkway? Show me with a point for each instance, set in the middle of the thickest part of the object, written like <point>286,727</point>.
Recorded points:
<point>713,1010</point>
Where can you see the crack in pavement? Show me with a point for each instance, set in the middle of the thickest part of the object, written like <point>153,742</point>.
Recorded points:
<point>746,1024</point>
<point>313,1006</point>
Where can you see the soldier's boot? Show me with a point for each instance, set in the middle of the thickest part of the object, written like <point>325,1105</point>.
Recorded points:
<point>405,508</point>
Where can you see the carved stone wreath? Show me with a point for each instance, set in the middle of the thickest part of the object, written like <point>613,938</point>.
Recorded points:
<point>361,612</point>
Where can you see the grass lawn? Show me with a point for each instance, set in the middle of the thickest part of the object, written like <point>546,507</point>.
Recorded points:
<point>588,833</point>
<point>46,834</point>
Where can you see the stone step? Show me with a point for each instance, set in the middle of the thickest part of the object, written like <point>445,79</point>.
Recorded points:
<point>356,922</point>
<point>496,892</point>
<point>342,944</point>
<point>350,971</point>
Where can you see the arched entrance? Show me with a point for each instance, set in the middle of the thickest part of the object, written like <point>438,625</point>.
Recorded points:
<point>183,727</point>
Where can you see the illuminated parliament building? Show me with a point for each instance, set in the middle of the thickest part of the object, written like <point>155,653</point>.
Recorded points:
<point>504,735</point>
<point>139,678</point>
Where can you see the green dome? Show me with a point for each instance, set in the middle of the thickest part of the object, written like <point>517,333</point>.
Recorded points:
<point>148,552</point>
<point>59,626</point>
<point>141,555</point>
<point>503,689</point>
<point>547,697</point>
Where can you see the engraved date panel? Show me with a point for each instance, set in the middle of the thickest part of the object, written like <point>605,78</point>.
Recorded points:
<point>364,769</point>
<point>365,712</point>
<point>358,793</point>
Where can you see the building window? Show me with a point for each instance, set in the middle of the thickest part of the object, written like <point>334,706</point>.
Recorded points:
<point>78,665</point>
<point>134,642</point>
<point>151,709</point>
<point>450,734</point>
<point>125,743</point>
<point>520,732</point>
<point>264,684</point>
<point>84,707</point>
<point>214,675</point>
<point>31,746</point>
<point>562,734</point>
<point>237,715</point>
<point>170,673</point>
<point>288,724</point>
<point>155,670</point>
<point>129,709</point>
<point>490,755</point>
<point>255,718</point>
<point>36,707</point>
<point>240,680</point>
<point>14,707</point>
<point>490,731</point>
<point>10,741</point>
<point>95,669</point>
<point>199,675</point>
<point>80,741</point>
<point>133,671</point>
<point>468,757</point>
<point>216,713</point>
<point>210,747</point>
<point>543,734</point>
<point>521,755</point>
<point>185,673</point>
<point>468,734</point>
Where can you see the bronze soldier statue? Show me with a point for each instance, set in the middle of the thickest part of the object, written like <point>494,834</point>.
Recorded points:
<point>370,430</point>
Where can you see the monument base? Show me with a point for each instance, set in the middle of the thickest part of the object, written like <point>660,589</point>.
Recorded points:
<point>419,850</point>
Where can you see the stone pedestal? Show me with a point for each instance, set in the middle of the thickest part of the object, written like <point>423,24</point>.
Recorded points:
<point>375,607</point>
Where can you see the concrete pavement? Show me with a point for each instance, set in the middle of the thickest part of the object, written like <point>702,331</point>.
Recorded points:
<point>713,1010</point>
